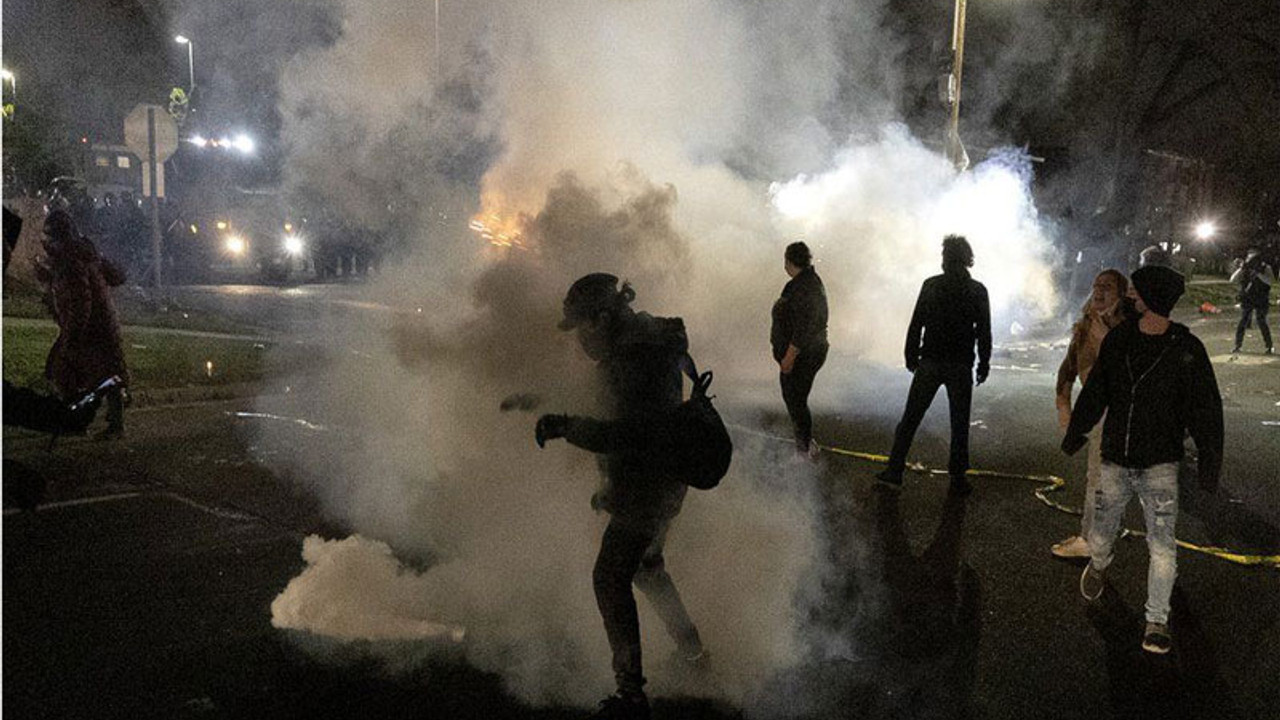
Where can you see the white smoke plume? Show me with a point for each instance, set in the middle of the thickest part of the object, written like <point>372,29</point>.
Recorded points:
<point>679,145</point>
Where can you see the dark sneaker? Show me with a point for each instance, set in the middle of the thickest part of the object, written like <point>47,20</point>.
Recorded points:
<point>690,661</point>
<point>623,707</point>
<point>960,485</point>
<point>1157,638</point>
<point>1235,350</point>
<point>889,479</point>
<point>1092,582</point>
<point>109,433</point>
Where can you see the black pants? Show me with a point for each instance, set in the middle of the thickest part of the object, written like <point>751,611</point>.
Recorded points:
<point>795,393</point>
<point>629,554</point>
<point>958,378</point>
<point>1259,311</point>
<point>115,408</point>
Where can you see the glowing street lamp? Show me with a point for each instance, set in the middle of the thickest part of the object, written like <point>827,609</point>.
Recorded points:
<point>293,244</point>
<point>7,76</point>
<point>191,58</point>
<point>235,245</point>
<point>1205,230</point>
<point>243,143</point>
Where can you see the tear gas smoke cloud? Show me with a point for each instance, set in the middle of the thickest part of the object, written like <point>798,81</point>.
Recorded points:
<point>640,139</point>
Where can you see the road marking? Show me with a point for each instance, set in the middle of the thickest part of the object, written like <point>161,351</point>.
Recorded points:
<point>78,501</point>
<point>99,499</point>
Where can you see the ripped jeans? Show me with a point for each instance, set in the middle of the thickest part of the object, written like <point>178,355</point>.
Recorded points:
<point>1157,490</point>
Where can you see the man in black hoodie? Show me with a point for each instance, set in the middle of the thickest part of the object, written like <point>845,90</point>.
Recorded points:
<point>639,364</point>
<point>799,340</point>
<point>1154,381</point>
<point>953,313</point>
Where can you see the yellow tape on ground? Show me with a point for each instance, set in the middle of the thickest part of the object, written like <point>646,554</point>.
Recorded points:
<point>1048,484</point>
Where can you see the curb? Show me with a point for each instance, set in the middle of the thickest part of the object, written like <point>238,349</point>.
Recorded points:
<point>157,397</point>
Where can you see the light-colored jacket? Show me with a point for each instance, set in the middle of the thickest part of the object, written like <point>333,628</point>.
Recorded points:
<point>1082,353</point>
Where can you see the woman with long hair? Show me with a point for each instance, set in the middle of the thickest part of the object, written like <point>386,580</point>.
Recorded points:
<point>1104,310</point>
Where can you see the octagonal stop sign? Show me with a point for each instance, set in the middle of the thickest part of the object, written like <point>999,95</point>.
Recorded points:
<point>138,128</point>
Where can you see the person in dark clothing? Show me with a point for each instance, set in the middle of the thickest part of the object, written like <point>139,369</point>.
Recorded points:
<point>952,313</point>
<point>799,340</point>
<point>88,349</point>
<point>639,360</point>
<point>1154,382</point>
<point>1255,279</point>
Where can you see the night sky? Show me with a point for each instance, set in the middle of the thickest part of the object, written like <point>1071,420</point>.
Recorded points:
<point>1191,77</point>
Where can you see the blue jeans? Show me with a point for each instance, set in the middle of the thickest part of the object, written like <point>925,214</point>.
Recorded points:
<point>1157,489</point>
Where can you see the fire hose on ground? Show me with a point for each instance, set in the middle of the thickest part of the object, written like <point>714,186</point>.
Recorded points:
<point>1047,485</point>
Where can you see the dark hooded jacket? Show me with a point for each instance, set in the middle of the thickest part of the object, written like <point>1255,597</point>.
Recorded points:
<point>640,381</point>
<point>88,349</point>
<point>1154,389</point>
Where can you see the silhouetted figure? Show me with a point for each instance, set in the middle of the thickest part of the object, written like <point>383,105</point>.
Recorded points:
<point>639,362</point>
<point>1154,382</point>
<point>799,340</point>
<point>952,314</point>
<point>1255,278</point>
<point>88,349</point>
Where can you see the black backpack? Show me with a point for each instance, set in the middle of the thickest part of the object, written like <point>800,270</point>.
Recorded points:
<point>693,446</point>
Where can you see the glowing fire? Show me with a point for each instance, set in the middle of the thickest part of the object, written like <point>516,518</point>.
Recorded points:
<point>499,230</point>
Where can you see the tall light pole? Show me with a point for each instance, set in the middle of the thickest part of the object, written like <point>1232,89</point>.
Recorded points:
<point>191,58</point>
<point>955,149</point>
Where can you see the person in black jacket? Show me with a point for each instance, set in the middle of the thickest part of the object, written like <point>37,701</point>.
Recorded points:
<point>1154,381</point>
<point>799,340</point>
<point>639,364</point>
<point>953,314</point>
<point>1255,279</point>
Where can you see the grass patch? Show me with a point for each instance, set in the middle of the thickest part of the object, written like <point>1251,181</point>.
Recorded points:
<point>159,360</point>
<point>24,300</point>
<point>1224,295</point>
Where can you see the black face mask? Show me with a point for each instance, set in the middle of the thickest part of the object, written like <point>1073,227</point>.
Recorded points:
<point>595,339</point>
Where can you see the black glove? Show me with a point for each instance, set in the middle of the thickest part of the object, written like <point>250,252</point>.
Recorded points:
<point>550,427</point>
<point>983,371</point>
<point>1071,444</point>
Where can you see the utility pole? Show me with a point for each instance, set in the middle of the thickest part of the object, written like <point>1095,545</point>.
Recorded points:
<point>955,148</point>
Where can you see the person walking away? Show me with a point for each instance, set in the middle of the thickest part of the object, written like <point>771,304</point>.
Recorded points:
<point>88,349</point>
<point>1154,383</point>
<point>799,340</point>
<point>1255,278</point>
<point>1103,311</point>
<point>952,314</point>
<point>638,361</point>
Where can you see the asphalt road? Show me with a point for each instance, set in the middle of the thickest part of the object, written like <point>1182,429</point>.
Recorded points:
<point>142,587</point>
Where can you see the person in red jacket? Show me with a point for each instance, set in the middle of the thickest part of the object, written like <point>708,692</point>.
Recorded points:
<point>88,349</point>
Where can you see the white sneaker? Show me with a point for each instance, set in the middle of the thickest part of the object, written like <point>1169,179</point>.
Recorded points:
<point>1073,547</point>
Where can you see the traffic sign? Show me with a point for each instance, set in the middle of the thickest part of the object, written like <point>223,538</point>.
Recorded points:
<point>144,121</point>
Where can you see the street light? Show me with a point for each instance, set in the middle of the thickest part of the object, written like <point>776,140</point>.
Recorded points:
<point>235,245</point>
<point>191,58</point>
<point>7,76</point>
<point>1205,230</point>
<point>293,244</point>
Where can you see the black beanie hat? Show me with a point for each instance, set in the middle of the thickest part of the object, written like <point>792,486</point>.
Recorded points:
<point>1159,287</point>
